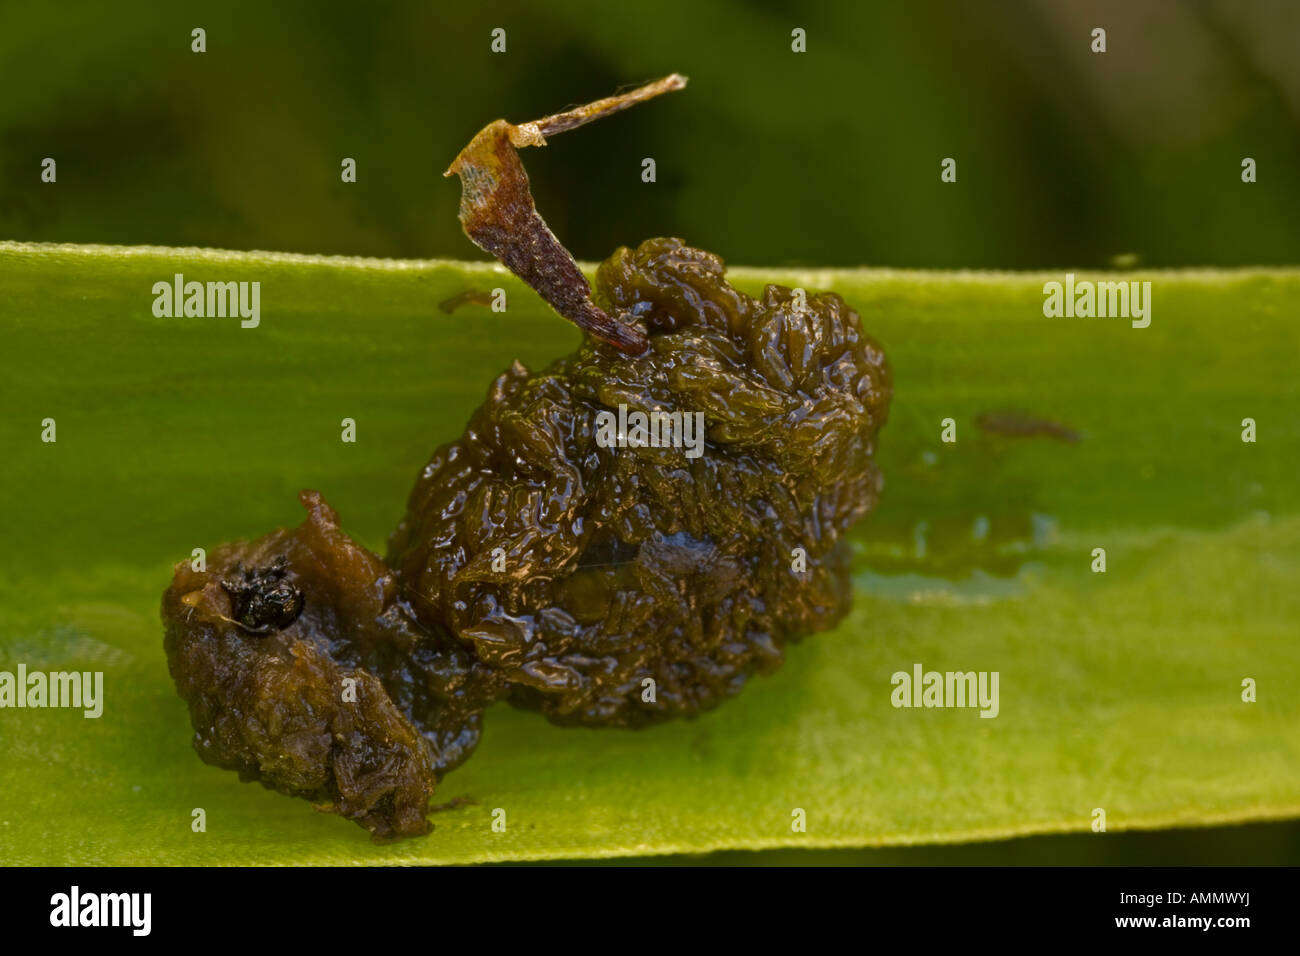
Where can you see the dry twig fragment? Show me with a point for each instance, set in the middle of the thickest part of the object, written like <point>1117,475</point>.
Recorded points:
<point>498,214</point>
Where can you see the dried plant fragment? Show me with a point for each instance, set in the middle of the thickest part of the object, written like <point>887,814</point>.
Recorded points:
<point>498,214</point>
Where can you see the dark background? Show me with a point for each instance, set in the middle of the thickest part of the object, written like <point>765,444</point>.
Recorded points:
<point>831,157</point>
<point>1065,158</point>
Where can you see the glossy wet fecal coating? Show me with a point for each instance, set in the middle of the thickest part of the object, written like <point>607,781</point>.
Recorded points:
<point>535,565</point>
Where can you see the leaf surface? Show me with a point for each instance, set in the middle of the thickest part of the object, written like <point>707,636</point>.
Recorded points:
<point>1119,690</point>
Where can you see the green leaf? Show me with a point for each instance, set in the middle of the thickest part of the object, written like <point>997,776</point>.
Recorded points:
<point>1120,691</point>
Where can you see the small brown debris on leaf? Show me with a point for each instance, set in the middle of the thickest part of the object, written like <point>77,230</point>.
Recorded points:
<point>454,804</point>
<point>468,297</point>
<point>1017,424</point>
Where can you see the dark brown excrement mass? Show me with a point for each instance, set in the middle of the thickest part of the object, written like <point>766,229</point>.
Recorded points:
<point>540,564</point>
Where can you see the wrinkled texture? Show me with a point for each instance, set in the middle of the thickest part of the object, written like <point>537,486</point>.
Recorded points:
<point>536,565</point>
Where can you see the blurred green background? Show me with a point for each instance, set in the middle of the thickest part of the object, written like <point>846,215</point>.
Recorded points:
<point>1065,158</point>
<point>830,157</point>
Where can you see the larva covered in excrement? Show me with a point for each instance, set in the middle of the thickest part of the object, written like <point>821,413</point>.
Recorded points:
<point>628,517</point>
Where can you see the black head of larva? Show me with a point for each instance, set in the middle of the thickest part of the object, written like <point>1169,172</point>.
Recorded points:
<point>262,600</point>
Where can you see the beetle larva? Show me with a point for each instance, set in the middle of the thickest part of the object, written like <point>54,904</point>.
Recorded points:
<point>554,556</point>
